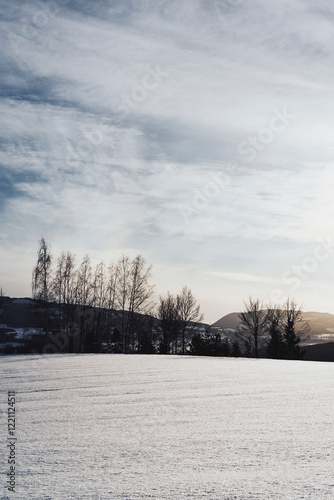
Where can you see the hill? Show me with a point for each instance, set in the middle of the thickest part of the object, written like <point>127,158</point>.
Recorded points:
<point>29,325</point>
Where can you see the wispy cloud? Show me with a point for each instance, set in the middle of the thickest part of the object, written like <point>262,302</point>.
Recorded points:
<point>113,114</point>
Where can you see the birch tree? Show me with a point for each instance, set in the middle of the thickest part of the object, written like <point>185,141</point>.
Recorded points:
<point>84,299</point>
<point>42,283</point>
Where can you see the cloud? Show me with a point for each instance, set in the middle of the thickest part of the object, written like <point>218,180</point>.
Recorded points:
<point>117,114</point>
<point>243,277</point>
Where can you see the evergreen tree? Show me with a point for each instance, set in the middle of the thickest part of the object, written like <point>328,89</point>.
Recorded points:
<point>197,345</point>
<point>145,343</point>
<point>276,348</point>
<point>295,330</point>
<point>226,348</point>
<point>235,351</point>
<point>210,344</point>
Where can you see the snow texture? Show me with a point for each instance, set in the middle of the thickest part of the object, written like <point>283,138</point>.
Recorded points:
<point>166,427</point>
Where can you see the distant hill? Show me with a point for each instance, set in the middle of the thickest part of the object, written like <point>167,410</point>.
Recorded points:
<point>16,311</point>
<point>22,327</point>
<point>322,326</point>
<point>229,321</point>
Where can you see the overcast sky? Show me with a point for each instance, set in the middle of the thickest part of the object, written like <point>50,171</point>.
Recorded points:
<point>196,133</point>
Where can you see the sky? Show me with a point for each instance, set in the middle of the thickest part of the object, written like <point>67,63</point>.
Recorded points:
<point>196,133</point>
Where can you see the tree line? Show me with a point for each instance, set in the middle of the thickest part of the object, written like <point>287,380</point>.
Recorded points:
<point>111,308</point>
<point>82,308</point>
<point>279,329</point>
<point>273,332</point>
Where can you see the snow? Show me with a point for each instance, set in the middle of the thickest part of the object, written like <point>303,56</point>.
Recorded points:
<point>172,428</point>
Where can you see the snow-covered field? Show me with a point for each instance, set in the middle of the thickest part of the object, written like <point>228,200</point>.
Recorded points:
<point>167,427</point>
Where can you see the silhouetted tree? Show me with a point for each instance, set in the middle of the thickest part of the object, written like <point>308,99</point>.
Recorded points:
<point>197,346</point>
<point>41,276</point>
<point>58,289</point>
<point>133,294</point>
<point>123,293</point>
<point>42,283</point>
<point>140,293</point>
<point>252,328</point>
<point>276,348</point>
<point>84,297</point>
<point>145,343</point>
<point>169,321</point>
<point>111,300</point>
<point>189,314</point>
<point>116,341</point>
<point>248,349</point>
<point>99,304</point>
<point>295,330</point>
<point>92,308</point>
<point>209,344</point>
<point>226,348</point>
<point>235,350</point>
<point>64,293</point>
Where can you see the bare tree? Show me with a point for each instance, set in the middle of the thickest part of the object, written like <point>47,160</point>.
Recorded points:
<point>140,293</point>
<point>295,330</point>
<point>253,326</point>
<point>169,320</point>
<point>84,299</point>
<point>58,288</point>
<point>123,294</point>
<point>111,300</point>
<point>41,276</point>
<point>69,299</point>
<point>189,314</point>
<point>42,283</point>
<point>133,294</point>
<point>63,289</point>
<point>99,303</point>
